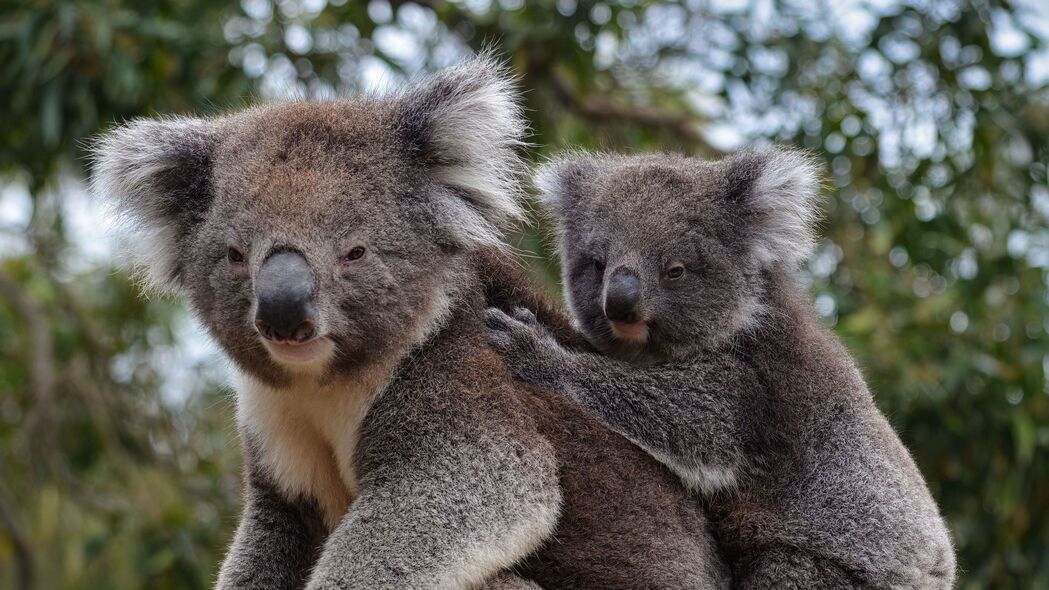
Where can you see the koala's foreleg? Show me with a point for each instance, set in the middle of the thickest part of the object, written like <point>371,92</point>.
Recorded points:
<point>442,505</point>
<point>277,540</point>
<point>692,430</point>
<point>420,536</point>
<point>689,416</point>
<point>792,569</point>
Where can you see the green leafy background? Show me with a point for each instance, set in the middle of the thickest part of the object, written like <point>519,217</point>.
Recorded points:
<point>118,459</point>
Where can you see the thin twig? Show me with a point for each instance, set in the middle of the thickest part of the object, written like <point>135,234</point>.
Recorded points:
<point>599,109</point>
<point>41,361</point>
<point>23,553</point>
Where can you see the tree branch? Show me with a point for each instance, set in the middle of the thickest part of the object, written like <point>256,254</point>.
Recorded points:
<point>598,109</point>
<point>41,362</point>
<point>23,553</point>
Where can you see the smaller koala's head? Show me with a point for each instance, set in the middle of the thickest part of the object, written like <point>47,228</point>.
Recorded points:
<point>319,237</point>
<point>664,254</point>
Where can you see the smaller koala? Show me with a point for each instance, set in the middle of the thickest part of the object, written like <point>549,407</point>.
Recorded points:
<point>679,271</point>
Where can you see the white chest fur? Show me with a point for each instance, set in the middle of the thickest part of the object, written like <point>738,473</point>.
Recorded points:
<point>308,433</point>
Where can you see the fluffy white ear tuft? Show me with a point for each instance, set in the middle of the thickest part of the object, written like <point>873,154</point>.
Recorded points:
<point>466,125</point>
<point>154,175</point>
<point>784,186</point>
<point>559,182</point>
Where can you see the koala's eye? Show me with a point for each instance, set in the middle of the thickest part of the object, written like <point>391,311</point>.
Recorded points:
<point>675,271</point>
<point>234,255</point>
<point>355,253</point>
<point>599,265</point>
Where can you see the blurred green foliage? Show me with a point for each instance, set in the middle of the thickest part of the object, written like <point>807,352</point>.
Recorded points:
<point>932,117</point>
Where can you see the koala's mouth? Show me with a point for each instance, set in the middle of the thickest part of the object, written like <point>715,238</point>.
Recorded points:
<point>636,332</point>
<point>316,351</point>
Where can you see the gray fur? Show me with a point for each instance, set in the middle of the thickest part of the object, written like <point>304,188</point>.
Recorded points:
<point>141,162</point>
<point>736,386</point>
<point>278,538</point>
<point>394,450</point>
<point>509,582</point>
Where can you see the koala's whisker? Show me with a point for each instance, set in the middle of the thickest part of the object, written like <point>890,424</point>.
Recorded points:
<point>521,252</point>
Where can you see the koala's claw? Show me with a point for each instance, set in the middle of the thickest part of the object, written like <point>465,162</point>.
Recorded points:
<point>517,334</point>
<point>496,319</point>
<point>526,346</point>
<point>504,331</point>
<point>525,316</point>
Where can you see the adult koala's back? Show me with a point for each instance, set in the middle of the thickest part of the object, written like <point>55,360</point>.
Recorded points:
<point>333,250</point>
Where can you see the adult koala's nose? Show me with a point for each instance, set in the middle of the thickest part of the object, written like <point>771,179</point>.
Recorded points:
<point>622,296</point>
<point>284,291</point>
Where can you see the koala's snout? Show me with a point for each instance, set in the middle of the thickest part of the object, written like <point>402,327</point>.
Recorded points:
<point>284,290</point>
<point>623,296</point>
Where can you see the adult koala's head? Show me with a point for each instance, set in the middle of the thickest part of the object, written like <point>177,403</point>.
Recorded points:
<point>663,253</point>
<point>320,236</point>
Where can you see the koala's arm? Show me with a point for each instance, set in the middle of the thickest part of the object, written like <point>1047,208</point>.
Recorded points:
<point>277,541</point>
<point>688,417</point>
<point>692,416</point>
<point>442,504</point>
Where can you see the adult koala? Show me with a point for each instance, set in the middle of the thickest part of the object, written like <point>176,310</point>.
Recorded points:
<point>331,248</point>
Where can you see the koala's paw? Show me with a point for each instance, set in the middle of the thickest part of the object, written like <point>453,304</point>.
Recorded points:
<point>526,345</point>
<point>519,332</point>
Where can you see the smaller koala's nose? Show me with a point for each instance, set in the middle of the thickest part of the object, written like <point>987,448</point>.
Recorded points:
<point>622,296</point>
<point>284,291</point>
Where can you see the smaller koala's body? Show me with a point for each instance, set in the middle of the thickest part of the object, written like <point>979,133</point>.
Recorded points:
<point>679,270</point>
<point>335,251</point>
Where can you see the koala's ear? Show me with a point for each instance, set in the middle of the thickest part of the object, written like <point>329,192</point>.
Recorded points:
<point>779,187</point>
<point>560,183</point>
<point>156,175</point>
<point>465,126</point>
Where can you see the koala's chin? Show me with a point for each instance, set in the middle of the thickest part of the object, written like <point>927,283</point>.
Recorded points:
<point>646,342</point>
<point>642,347</point>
